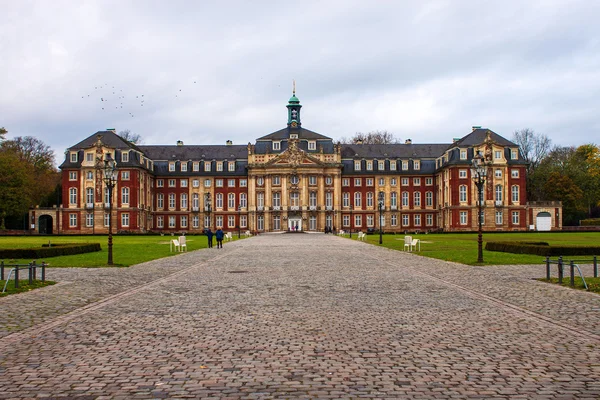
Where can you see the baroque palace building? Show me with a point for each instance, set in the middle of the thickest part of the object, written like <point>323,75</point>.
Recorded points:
<point>292,178</point>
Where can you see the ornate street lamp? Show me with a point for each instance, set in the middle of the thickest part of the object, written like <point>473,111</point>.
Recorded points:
<point>109,172</point>
<point>479,173</point>
<point>207,206</point>
<point>380,203</point>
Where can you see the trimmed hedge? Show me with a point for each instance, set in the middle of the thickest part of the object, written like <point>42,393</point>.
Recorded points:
<point>590,222</point>
<point>62,249</point>
<point>542,249</point>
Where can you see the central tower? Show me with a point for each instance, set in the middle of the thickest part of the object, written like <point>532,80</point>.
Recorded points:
<point>294,107</point>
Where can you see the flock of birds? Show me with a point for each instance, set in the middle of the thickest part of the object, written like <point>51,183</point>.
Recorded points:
<point>108,96</point>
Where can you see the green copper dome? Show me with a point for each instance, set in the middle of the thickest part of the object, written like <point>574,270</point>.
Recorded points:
<point>294,99</point>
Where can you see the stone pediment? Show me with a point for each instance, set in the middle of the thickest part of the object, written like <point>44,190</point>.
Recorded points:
<point>294,157</point>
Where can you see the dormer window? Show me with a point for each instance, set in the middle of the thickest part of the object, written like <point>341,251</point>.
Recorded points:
<point>312,145</point>
<point>392,165</point>
<point>293,136</point>
<point>514,154</point>
<point>404,165</point>
<point>184,167</point>
<point>207,166</point>
<point>276,145</point>
<point>369,165</point>
<point>73,157</point>
<point>231,166</point>
<point>463,154</point>
<point>219,166</point>
<point>125,156</point>
<point>357,165</point>
<point>417,165</point>
<point>171,167</point>
<point>381,165</point>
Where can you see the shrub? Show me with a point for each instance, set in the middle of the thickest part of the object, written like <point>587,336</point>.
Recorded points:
<point>63,249</point>
<point>542,249</point>
<point>590,222</point>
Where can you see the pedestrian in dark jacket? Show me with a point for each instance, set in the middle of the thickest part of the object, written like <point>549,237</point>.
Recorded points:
<point>209,236</point>
<point>219,235</point>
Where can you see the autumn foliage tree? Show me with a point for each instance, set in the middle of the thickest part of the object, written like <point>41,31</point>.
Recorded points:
<point>373,137</point>
<point>27,175</point>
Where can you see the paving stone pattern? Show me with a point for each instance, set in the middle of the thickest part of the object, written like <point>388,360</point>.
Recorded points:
<point>300,316</point>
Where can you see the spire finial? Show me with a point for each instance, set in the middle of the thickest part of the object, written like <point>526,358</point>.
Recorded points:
<point>294,90</point>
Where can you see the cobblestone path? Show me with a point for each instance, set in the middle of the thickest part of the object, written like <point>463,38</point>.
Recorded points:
<point>300,316</point>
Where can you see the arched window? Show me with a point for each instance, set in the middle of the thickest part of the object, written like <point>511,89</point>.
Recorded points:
<point>369,199</point>
<point>243,200</point>
<point>515,194</point>
<point>357,199</point>
<point>498,193</point>
<point>462,193</point>
<point>184,200</point>
<point>72,195</point>
<point>219,200</point>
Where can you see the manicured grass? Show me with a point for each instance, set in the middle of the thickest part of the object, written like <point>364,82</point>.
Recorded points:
<point>592,283</point>
<point>24,286</point>
<point>127,250</point>
<point>462,247</point>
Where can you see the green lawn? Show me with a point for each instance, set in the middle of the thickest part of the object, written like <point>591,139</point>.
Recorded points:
<point>24,285</point>
<point>462,247</point>
<point>127,250</point>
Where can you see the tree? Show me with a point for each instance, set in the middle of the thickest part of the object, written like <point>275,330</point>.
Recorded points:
<point>27,175</point>
<point>373,137</point>
<point>3,133</point>
<point>534,149</point>
<point>131,137</point>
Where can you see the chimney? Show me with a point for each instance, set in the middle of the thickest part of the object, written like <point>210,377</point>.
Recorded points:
<point>454,140</point>
<point>358,141</point>
<point>113,130</point>
<point>408,141</point>
<point>179,143</point>
<point>229,143</point>
<point>476,127</point>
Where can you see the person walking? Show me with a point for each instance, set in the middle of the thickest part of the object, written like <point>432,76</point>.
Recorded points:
<point>219,235</point>
<point>209,236</point>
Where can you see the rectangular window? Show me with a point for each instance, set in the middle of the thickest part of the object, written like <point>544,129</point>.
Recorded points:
<point>498,173</point>
<point>207,183</point>
<point>183,167</point>
<point>498,217</point>
<point>276,145</point>
<point>160,199</point>
<point>462,173</point>
<point>277,222</point>
<point>73,157</point>
<point>89,157</point>
<point>369,181</point>
<point>312,145</point>
<point>515,218</point>
<point>276,180</point>
<point>404,181</point>
<point>417,165</point>
<point>276,199</point>
<point>429,199</point>
<point>183,183</point>
<point>514,173</point>
<point>73,196</point>
<point>125,175</point>
<point>195,166</point>
<point>358,220</point>
<point>171,221</point>
<point>73,220</point>
<point>404,165</point>
<point>160,183</point>
<point>370,220</point>
<point>125,156</point>
<point>428,181</point>
<point>195,221</point>
<point>514,154</point>
<point>171,166</point>
<point>357,181</point>
<point>345,199</point>
<point>405,220</point>
<point>219,221</point>
<point>346,220</point>
<point>171,200</point>
<point>463,154</point>
<point>219,182</point>
<point>72,175</point>
<point>429,219</point>
<point>231,166</point>
<point>206,166</point>
<point>312,180</point>
<point>243,221</point>
<point>463,217</point>
<point>125,220</point>
<point>195,183</point>
<point>231,221</point>
<point>417,219</point>
<point>243,182</point>
<point>381,181</point>
<point>231,183</point>
<point>394,220</point>
<point>89,220</point>
<point>160,221</point>
<point>328,180</point>
<point>393,181</point>
<point>219,166</point>
<point>357,165</point>
<point>89,175</point>
<point>497,154</point>
<point>417,181</point>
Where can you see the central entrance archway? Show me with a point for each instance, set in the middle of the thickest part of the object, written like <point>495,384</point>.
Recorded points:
<point>45,225</point>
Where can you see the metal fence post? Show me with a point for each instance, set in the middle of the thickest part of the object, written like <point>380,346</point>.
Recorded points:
<point>2,271</point>
<point>30,274</point>
<point>34,270</point>
<point>595,266</point>
<point>16,277</point>
<point>547,268</point>
<point>43,271</point>
<point>560,270</point>
<point>572,283</point>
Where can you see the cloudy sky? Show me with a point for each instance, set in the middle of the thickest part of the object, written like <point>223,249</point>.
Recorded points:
<point>205,72</point>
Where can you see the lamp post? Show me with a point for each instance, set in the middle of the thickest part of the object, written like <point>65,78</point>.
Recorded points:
<point>207,206</point>
<point>381,198</point>
<point>479,173</point>
<point>238,221</point>
<point>110,180</point>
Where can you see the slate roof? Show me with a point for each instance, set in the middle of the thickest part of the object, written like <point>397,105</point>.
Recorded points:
<point>302,134</point>
<point>194,152</point>
<point>109,138</point>
<point>393,150</point>
<point>478,136</point>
